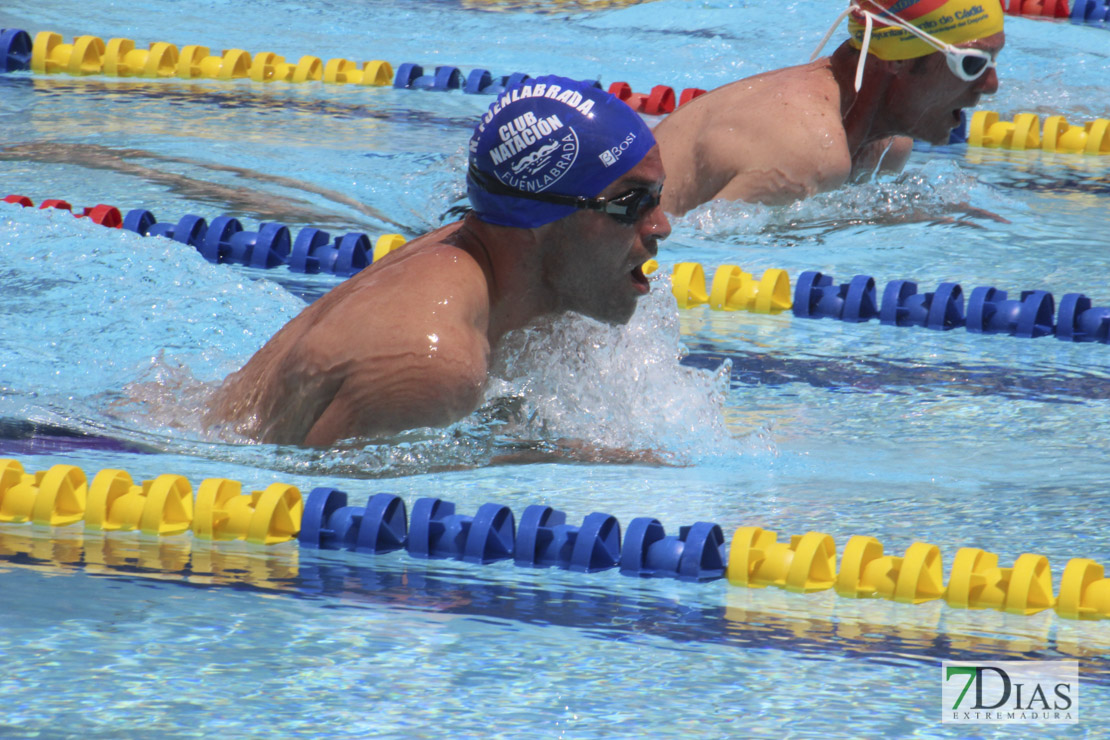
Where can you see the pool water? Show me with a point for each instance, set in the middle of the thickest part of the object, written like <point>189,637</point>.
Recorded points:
<point>794,425</point>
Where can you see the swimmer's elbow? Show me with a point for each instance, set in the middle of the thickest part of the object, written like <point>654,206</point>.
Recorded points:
<point>770,188</point>
<point>437,393</point>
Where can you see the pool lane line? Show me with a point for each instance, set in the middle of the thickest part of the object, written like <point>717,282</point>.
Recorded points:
<point>989,310</point>
<point>225,241</point>
<point>23,437</point>
<point>89,55</point>
<point>1025,132</point>
<point>885,374</point>
<point>755,558</point>
<point>765,620</point>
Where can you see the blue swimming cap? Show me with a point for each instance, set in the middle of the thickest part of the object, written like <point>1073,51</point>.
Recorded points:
<point>552,135</point>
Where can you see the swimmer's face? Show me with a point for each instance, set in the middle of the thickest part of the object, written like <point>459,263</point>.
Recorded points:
<point>931,97</point>
<point>595,265</point>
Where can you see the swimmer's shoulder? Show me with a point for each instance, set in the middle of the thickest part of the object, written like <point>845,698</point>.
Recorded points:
<point>428,275</point>
<point>428,299</point>
<point>770,110</point>
<point>787,84</point>
<point>423,262</point>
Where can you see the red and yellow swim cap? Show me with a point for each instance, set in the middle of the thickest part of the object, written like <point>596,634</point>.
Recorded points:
<point>950,21</point>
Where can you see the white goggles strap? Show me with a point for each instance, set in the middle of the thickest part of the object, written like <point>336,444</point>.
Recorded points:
<point>868,24</point>
<point>832,29</point>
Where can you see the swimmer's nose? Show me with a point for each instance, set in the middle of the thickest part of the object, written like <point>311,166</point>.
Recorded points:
<point>655,228</point>
<point>988,83</point>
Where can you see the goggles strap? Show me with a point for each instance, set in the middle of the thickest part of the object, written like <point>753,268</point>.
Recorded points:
<point>496,187</point>
<point>868,24</point>
<point>832,29</point>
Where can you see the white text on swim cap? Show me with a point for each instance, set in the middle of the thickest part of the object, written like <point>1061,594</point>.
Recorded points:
<point>537,170</point>
<point>521,133</point>
<point>611,155</point>
<point>572,98</point>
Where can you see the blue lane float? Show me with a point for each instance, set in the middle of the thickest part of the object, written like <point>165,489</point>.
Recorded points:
<point>816,297</point>
<point>903,306</point>
<point>411,76</point>
<point>697,553</point>
<point>16,49</point>
<point>329,523</point>
<point>989,310</point>
<point>315,252</point>
<point>436,531</point>
<point>543,539</point>
<point>226,241</point>
<point>1090,12</point>
<point>481,82</point>
<point>1078,321</point>
<point>189,229</point>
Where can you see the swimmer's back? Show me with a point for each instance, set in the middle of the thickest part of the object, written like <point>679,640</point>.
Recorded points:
<point>772,138</point>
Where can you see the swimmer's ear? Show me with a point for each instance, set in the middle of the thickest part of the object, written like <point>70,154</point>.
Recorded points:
<point>894,66</point>
<point>915,66</point>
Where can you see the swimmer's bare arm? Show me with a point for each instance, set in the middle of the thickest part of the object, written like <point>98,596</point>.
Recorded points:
<point>885,155</point>
<point>401,345</point>
<point>773,138</point>
<point>422,361</point>
<point>409,389</point>
<point>724,162</point>
<point>784,171</point>
<point>579,451</point>
<point>778,158</point>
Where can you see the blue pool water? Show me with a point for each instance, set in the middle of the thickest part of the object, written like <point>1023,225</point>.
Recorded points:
<point>902,434</point>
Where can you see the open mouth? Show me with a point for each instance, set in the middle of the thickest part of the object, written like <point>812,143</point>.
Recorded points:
<point>639,279</point>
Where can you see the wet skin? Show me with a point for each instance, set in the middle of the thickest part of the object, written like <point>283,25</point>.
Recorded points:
<point>406,343</point>
<point>598,270</point>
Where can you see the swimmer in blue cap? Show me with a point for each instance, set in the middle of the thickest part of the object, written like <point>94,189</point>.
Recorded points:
<point>565,182</point>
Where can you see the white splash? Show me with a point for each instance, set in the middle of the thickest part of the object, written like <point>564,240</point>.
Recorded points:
<point>616,387</point>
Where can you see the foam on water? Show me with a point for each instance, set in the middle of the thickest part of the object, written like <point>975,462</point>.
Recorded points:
<point>619,387</point>
<point>939,190</point>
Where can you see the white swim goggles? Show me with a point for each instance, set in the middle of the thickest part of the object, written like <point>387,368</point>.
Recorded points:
<point>966,64</point>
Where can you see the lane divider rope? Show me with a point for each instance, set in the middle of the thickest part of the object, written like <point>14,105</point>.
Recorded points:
<point>225,240</point>
<point>989,310</point>
<point>62,496</point>
<point>89,55</point>
<point>1086,12</point>
<point>48,53</point>
<point>1025,132</point>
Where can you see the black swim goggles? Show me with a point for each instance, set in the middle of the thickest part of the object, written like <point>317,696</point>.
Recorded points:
<point>626,208</point>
